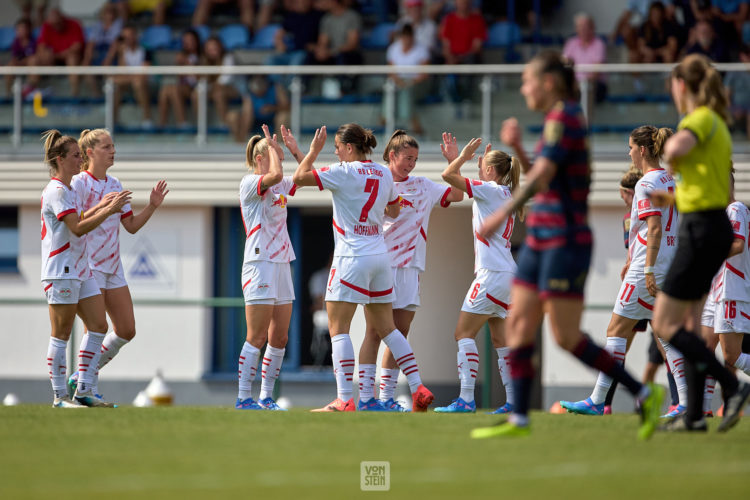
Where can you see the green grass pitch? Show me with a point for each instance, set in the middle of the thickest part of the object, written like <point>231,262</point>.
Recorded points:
<point>188,452</point>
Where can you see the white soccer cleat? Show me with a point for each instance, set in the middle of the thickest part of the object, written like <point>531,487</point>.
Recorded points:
<point>92,400</point>
<point>66,402</point>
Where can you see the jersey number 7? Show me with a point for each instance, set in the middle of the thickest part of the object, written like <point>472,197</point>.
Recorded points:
<point>371,186</point>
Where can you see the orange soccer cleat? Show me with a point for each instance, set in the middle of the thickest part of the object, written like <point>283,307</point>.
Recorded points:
<point>421,399</point>
<point>337,405</point>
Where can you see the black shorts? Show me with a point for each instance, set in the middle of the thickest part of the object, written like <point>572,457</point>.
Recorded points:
<point>654,354</point>
<point>703,242</point>
<point>555,272</point>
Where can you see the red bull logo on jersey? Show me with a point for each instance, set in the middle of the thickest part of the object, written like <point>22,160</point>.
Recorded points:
<point>280,201</point>
<point>405,203</point>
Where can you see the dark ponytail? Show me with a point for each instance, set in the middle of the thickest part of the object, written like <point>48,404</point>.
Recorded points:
<point>361,138</point>
<point>551,62</point>
<point>398,141</point>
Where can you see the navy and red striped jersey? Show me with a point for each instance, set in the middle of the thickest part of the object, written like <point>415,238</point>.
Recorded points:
<point>559,215</point>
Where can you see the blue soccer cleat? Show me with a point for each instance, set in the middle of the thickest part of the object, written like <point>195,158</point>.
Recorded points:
<point>73,384</point>
<point>270,404</point>
<point>506,408</point>
<point>675,412</point>
<point>458,405</point>
<point>585,407</point>
<point>247,404</point>
<point>393,406</point>
<point>371,405</point>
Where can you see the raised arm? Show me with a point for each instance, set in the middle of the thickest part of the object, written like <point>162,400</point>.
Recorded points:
<point>275,155</point>
<point>304,175</point>
<point>452,173</point>
<point>79,227</point>
<point>134,223</point>
<point>291,144</point>
<point>510,135</point>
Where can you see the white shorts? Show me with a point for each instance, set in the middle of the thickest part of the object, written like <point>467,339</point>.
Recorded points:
<point>489,293</point>
<point>406,288</point>
<point>633,300</point>
<point>731,316</point>
<point>267,283</point>
<point>360,280</point>
<point>707,316</point>
<point>109,281</point>
<point>67,291</point>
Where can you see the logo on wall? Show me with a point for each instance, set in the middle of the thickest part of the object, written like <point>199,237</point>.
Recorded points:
<point>148,270</point>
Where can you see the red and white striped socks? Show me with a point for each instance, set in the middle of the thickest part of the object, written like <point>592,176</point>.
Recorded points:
<point>503,356</point>
<point>110,347</point>
<point>617,348</point>
<point>343,364</point>
<point>404,357</point>
<point>57,365</point>
<point>366,382</point>
<point>468,367</point>
<point>88,360</point>
<point>270,369</point>
<point>708,393</point>
<point>388,383</point>
<point>676,365</point>
<point>248,365</point>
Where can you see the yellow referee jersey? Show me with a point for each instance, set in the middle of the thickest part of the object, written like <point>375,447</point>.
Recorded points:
<point>703,174</point>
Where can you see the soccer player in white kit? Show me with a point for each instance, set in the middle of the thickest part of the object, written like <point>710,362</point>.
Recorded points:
<point>67,281</point>
<point>266,273</point>
<point>94,187</point>
<point>406,240</point>
<point>488,298</point>
<point>651,248</point>
<point>726,314</point>
<point>363,193</point>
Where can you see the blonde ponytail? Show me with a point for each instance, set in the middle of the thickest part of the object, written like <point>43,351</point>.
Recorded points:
<point>257,145</point>
<point>89,139</point>
<point>704,83</point>
<point>55,146</point>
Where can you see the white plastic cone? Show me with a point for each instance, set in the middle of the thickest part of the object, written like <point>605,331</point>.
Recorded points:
<point>158,391</point>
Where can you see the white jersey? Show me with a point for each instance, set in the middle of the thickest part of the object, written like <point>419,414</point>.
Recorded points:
<point>732,281</point>
<point>653,180</point>
<point>492,253</point>
<point>63,253</point>
<point>264,217</point>
<point>406,236</point>
<point>103,242</point>
<point>361,190</point>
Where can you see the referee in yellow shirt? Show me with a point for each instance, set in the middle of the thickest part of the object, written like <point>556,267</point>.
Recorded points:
<point>699,155</point>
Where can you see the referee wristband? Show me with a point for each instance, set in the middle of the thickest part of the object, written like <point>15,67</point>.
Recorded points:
<point>648,270</point>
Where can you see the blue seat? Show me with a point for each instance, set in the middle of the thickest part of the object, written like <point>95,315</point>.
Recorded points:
<point>156,37</point>
<point>503,34</point>
<point>183,8</point>
<point>264,37</point>
<point>7,34</point>
<point>379,37</point>
<point>203,32</point>
<point>234,36</point>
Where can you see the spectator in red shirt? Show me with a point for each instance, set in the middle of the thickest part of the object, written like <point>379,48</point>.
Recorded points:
<point>462,34</point>
<point>60,42</point>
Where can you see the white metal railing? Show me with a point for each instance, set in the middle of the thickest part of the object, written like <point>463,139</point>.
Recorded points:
<point>295,88</point>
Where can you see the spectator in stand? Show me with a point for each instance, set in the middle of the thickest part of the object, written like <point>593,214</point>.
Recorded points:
<point>104,33</point>
<point>22,49</point>
<point>425,29</point>
<point>406,52</point>
<point>730,15</point>
<point>126,51</point>
<point>657,40</point>
<point>627,26</point>
<point>60,42</point>
<point>267,103</point>
<point>246,10</point>
<point>175,94</point>
<point>338,39</point>
<point>587,48</point>
<point>33,10</point>
<point>298,35</point>
<point>707,43</point>
<point>738,88</point>
<point>462,34</point>
<point>223,87</point>
<point>157,8</point>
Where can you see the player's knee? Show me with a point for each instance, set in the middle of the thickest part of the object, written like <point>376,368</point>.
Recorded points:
<point>731,357</point>
<point>126,334</point>
<point>257,340</point>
